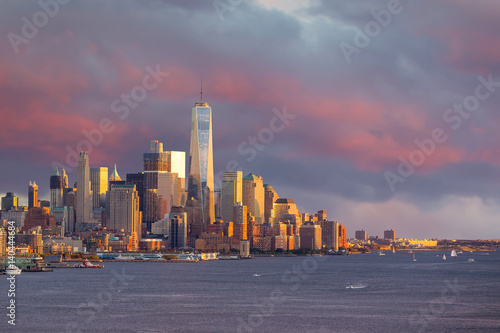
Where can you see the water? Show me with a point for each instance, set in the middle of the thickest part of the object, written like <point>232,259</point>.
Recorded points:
<point>298,294</point>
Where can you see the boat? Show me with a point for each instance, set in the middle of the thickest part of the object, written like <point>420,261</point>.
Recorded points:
<point>13,270</point>
<point>460,252</point>
<point>453,254</point>
<point>444,256</point>
<point>414,259</point>
<point>381,253</point>
<point>393,250</point>
<point>256,275</point>
<point>410,251</point>
<point>471,260</point>
<point>88,264</point>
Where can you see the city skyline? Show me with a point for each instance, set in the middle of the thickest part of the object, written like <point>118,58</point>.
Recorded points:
<point>354,121</point>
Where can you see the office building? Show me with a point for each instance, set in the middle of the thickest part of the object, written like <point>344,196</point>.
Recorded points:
<point>99,186</point>
<point>240,214</point>
<point>342,237</point>
<point>270,197</point>
<point>124,214</point>
<point>253,196</point>
<point>201,170</point>
<point>32,195</point>
<point>84,193</point>
<point>231,192</point>
<point>162,187</point>
<point>178,228</point>
<point>56,190</point>
<point>137,179</point>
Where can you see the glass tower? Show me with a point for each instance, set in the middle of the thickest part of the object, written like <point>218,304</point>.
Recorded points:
<point>201,165</point>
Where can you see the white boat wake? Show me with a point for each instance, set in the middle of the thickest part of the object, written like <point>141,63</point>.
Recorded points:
<point>356,286</point>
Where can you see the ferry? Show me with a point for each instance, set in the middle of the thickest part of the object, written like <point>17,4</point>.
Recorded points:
<point>13,270</point>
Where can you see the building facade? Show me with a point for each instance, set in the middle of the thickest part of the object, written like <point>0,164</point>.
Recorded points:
<point>253,196</point>
<point>84,193</point>
<point>231,193</point>
<point>201,170</point>
<point>270,197</point>
<point>32,195</point>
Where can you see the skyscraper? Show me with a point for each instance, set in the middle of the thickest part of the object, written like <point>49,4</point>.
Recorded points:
<point>270,197</point>
<point>232,192</point>
<point>178,227</point>
<point>124,211</point>
<point>99,186</point>
<point>83,193</point>
<point>201,169</point>
<point>162,170</point>
<point>65,179</point>
<point>32,195</point>
<point>56,190</point>
<point>253,196</point>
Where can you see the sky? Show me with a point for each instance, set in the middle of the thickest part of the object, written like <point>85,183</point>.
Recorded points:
<point>385,113</point>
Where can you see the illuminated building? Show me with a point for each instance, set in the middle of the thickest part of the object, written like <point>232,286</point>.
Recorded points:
<point>232,191</point>
<point>330,234</point>
<point>201,170</point>
<point>84,193</point>
<point>270,197</point>
<point>32,195</point>
<point>253,196</point>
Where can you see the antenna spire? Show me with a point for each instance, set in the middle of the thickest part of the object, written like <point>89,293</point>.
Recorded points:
<point>201,89</point>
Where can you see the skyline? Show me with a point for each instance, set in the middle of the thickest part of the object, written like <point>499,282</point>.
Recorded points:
<point>352,120</point>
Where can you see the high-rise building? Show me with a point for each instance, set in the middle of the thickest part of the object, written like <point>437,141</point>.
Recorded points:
<point>240,221</point>
<point>360,235</point>
<point>270,197</point>
<point>9,201</point>
<point>124,209</point>
<point>32,195</point>
<point>161,185</point>
<point>56,190</point>
<point>330,234</point>
<point>390,234</point>
<point>99,186</point>
<point>232,193</point>
<point>253,196</point>
<point>137,179</point>
<point>218,203</point>
<point>83,193</point>
<point>65,179</point>
<point>310,236</point>
<point>178,227</point>
<point>342,236</point>
<point>201,168</point>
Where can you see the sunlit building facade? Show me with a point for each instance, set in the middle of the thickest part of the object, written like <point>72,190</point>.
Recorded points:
<point>253,196</point>
<point>201,170</point>
<point>231,193</point>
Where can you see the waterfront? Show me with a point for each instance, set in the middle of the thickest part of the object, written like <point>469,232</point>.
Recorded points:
<point>395,294</point>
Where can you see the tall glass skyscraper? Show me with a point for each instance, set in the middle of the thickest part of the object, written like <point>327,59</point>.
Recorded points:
<point>201,165</point>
